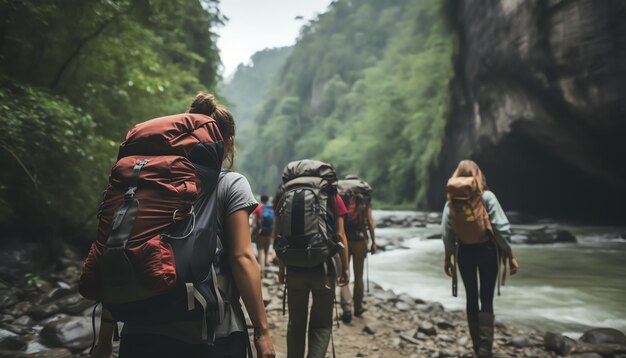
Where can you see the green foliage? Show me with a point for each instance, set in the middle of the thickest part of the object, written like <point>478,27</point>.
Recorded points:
<point>365,88</point>
<point>76,75</point>
<point>54,164</point>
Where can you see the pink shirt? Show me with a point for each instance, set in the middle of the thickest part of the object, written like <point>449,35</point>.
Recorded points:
<point>339,206</point>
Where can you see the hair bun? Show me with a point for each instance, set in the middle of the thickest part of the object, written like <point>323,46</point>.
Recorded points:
<point>203,103</point>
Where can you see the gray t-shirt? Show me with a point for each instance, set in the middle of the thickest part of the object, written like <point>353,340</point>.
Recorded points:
<point>233,194</point>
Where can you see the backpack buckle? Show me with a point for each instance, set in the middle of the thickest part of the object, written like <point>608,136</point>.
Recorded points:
<point>130,194</point>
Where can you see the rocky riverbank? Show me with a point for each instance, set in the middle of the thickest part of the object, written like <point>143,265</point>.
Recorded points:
<point>42,315</point>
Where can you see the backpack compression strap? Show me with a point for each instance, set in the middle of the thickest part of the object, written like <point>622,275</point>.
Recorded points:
<point>124,217</point>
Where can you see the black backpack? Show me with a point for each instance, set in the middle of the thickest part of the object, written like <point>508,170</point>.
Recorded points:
<point>306,234</point>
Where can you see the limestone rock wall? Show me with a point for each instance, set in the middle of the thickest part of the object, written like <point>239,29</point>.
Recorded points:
<point>539,100</point>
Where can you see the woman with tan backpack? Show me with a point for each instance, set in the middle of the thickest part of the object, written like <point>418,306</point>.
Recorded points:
<point>476,235</point>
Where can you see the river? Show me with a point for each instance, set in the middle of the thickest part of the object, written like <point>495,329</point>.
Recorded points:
<point>560,287</point>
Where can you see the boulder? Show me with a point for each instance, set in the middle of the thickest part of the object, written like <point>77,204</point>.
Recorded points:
<point>603,349</point>
<point>10,340</point>
<point>73,333</point>
<point>604,335</point>
<point>558,343</point>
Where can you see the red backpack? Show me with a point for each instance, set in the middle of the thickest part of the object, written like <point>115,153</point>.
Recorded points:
<point>357,195</point>
<point>153,259</point>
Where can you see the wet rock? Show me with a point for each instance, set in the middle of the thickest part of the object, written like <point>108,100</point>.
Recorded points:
<point>604,335</point>
<point>19,308</point>
<point>73,305</point>
<point>47,353</point>
<point>375,287</point>
<point>599,348</point>
<point>444,325</point>
<point>55,294</point>
<point>434,237</point>
<point>370,329</point>
<point>427,328</point>
<point>586,355</point>
<point>56,317</point>
<point>519,342</point>
<point>73,333</point>
<point>8,297</point>
<point>567,346</point>
<point>432,307</point>
<point>544,235</point>
<point>407,300</point>
<point>433,218</point>
<point>409,339</point>
<point>402,306</point>
<point>386,295</point>
<point>552,341</point>
<point>5,318</point>
<point>10,340</point>
<point>23,321</point>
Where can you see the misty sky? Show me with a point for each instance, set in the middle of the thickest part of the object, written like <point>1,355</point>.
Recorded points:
<point>257,24</point>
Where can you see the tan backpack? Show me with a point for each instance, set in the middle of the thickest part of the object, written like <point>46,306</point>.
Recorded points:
<point>468,215</point>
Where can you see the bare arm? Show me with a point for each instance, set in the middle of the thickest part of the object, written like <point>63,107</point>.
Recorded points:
<point>104,347</point>
<point>372,226</point>
<point>247,278</point>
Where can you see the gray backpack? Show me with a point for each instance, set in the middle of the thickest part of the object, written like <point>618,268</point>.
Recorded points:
<point>306,234</point>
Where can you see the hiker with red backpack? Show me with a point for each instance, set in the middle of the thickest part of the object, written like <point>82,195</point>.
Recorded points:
<point>357,195</point>
<point>309,237</point>
<point>173,254</point>
<point>476,235</point>
<point>264,232</point>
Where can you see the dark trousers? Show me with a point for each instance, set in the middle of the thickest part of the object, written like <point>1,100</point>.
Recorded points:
<point>158,346</point>
<point>478,263</point>
<point>300,285</point>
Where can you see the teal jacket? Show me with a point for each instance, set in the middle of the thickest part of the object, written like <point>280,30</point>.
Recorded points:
<point>499,222</point>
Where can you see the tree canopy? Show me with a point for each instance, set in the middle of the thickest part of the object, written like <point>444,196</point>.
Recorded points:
<point>76,75</point>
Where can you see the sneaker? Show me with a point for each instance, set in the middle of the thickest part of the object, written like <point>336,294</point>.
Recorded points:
<point>346,317</point>
<point>360,312</point>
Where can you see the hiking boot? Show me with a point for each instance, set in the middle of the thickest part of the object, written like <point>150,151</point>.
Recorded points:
<point>474,331</point>
<point>346,317</point>
<point>485,324</point>
<point>359,312</point>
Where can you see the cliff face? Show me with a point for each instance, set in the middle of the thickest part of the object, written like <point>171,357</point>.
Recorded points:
<point>539,101</point>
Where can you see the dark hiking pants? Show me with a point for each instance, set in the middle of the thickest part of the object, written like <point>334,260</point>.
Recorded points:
<point>478,264</point>
<point>301,284</point>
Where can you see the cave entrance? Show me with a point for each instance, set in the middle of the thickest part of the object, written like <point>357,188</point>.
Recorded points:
<point>528,177</point>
